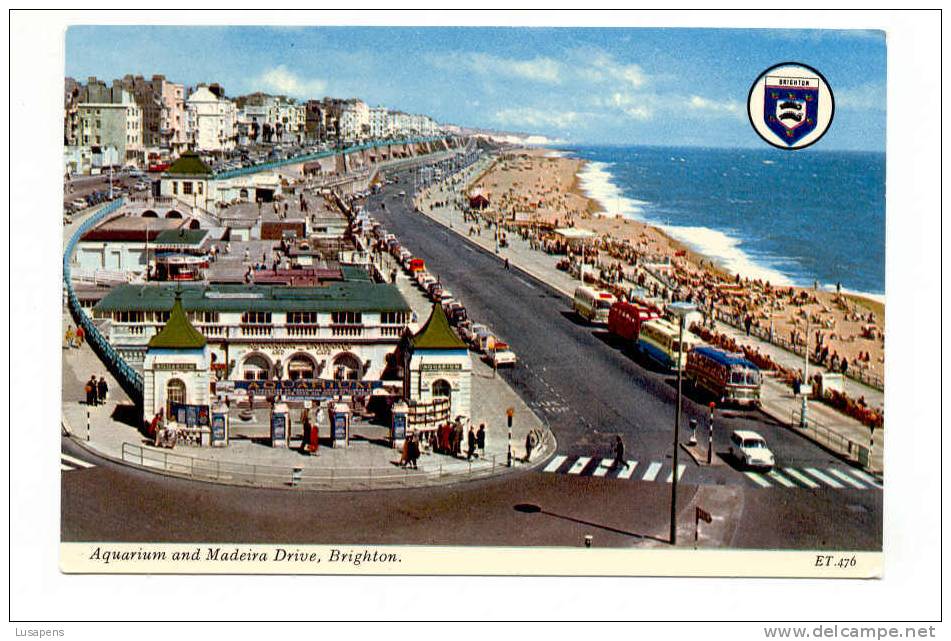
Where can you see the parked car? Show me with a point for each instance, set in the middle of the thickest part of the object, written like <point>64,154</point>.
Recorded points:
<point>478,336</point>
<point>500,355</point>
<point>749,449</point>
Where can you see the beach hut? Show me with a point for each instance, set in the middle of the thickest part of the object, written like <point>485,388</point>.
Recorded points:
<point>478,201</point>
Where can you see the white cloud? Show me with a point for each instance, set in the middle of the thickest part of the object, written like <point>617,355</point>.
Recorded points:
<point>530,117</point>
<point>639,113</point>
<point>603,67</point>
<point>700,103</point>
<point>540,69</point>
<point>867,96</point>
<point>282,81</point>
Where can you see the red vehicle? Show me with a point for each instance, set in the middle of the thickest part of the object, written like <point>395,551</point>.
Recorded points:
<point>625,319</point>
<point>416,265</point>
<point>159,166</point>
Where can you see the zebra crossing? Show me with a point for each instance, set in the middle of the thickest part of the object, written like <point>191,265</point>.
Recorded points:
<point>605,468</point>
<point>812,478</point>
<point>660,472</point>
<point>69,463</point>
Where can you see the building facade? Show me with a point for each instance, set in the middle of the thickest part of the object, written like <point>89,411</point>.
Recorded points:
<point>212,120</point>
<point>110,117</point>
<point>342,331</point>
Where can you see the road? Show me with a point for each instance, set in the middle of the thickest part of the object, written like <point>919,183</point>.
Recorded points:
<point>583,383</point>
<point>102,501</point>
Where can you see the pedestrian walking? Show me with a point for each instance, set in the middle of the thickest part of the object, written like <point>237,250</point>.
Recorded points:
<point>506,262</point>
<point>472,444</point>
<point>480,440</point>
<point>91,390</point>
<point>404,454</point>
<point>69,338</point>
<point>102,391</point>
<point>80,335</point>
<point>305,423</point>
<point>413,452</point>
<point>619,460</point>
<point>529,445</point>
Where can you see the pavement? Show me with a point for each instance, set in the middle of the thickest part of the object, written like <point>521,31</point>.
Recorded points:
<point>833,430</point>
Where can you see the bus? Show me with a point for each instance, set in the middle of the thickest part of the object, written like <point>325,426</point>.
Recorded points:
<point>729,376</point>
<point>625,319</point>
<point>593,305</point>
<point>659,339</point>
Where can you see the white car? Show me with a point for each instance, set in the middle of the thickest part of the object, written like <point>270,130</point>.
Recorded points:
<point>750,450</point>
<point>500,355</point>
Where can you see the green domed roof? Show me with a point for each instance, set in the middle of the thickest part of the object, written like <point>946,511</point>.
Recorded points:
<point>436,333</point>
<point>178,332</point>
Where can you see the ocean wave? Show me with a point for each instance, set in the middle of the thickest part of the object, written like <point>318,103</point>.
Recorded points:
<point>598,184</point>
<point>725,250</point>
<point>875,296</point>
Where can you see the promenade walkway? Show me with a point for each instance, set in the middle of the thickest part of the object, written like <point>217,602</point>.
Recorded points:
<point>828,427</point>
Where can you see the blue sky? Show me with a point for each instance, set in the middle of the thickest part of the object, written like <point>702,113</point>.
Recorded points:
<point>582,86</point>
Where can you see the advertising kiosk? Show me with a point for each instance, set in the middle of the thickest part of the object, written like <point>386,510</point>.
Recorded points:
<point>400,415</point>
<point>340,415</point>
<point>280,425</point>
<point>219,425</point>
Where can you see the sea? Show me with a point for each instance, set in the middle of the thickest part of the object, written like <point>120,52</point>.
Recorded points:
<point>792,218</point>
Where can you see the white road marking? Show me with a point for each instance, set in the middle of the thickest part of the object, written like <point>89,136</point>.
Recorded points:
<point>759,480</point>
<point>603,467</point>
<point>801,478</point>
<point>627,471</point>
<point>822,477</point>
<point>76,461</point>
<point>680,473</point>
<point>839,474</point>
<point>868,478</point>
<point>526,283</point>
<point>579,465</point>
<point>555,463</point>
<point>652,471</point>
<point>779,478</point>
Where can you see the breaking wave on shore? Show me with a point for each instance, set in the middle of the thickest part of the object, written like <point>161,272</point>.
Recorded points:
<point>725,250</point>
<point>598,184</point>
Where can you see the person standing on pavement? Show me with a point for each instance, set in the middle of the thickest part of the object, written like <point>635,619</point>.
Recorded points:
<point>471,443</point>
<point>619,453</point>
<point>91,390</point>
<point>80,335</point>
<point>413,452</point>
<point>529,445</point>
<point>480,440</point>
<point>69,338</point>
<point>102,391</point>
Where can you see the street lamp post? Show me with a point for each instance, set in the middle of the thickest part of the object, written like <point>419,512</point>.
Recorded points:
<point>804,414</point>
<point>680,310</point>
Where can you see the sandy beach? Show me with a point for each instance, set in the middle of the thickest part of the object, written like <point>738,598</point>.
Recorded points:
<point>535,187</point>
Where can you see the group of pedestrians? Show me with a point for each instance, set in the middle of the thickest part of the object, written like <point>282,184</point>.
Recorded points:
<point>74,338</point>
<point>97,391</point>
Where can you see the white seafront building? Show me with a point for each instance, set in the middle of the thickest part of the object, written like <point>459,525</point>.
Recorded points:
<point>212,120</point>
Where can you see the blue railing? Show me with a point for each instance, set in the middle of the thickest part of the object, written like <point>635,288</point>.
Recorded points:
<point>274,164</point>
<point>125,374</point>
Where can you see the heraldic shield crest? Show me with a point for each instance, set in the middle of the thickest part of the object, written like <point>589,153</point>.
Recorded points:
<point>791,107</point>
